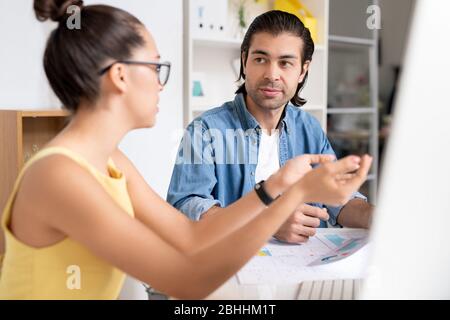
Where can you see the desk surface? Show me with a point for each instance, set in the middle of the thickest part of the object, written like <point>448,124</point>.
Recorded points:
<point>232,289</point>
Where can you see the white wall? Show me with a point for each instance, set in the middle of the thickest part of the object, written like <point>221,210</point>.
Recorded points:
<point>22,40</point>
<point>23,84</point>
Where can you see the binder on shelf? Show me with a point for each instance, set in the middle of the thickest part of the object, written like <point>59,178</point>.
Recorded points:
<point>209,19</point>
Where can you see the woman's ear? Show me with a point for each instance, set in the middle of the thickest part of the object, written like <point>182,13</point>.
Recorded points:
<point>118,78</point>
<point>305,69</point>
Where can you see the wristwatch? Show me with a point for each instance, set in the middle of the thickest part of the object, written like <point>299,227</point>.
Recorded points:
<point>262,194</point>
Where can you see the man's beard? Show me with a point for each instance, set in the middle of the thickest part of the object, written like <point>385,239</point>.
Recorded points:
<point>268,103</point>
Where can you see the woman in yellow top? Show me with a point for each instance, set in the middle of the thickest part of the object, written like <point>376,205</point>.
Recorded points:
<point>75,223</point>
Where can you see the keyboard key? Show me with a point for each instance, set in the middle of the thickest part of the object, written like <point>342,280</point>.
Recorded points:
<point>336,292</point>
<point>316,290</point>
<point>305,290</point>
<point>347,292</point>
<point>326,290</point>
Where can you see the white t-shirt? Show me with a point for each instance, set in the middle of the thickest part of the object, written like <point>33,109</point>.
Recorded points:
<point>268,155</point>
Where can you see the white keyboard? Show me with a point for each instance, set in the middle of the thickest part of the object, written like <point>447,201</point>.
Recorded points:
<point>329,289</point>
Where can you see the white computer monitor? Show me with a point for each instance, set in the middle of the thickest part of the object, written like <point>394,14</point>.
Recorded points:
<point>410,256</point>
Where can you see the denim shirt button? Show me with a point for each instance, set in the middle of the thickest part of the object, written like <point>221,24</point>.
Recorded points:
<point>252,173</point>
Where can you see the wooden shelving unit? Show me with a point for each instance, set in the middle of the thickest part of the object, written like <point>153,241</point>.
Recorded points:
<point>22,134</point>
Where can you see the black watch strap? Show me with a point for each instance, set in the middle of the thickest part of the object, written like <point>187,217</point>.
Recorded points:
<point>262,194</point>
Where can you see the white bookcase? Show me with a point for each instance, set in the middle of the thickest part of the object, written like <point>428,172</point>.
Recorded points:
<point>209,57</point>
<point>353,85</point>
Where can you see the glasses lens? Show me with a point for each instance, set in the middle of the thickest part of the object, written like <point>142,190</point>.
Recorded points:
<point>164,74</point>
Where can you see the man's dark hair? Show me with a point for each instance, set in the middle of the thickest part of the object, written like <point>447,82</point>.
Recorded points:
<point>276,22</point>
<point>73,57</point>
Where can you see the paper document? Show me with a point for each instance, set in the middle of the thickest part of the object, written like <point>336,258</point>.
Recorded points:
<point>282,263</point>
<point>346,249</point>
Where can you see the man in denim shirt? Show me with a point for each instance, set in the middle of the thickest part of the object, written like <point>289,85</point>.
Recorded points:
<point>228,149</point>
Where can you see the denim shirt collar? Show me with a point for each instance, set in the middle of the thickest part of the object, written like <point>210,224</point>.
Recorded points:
<point>248,120</point>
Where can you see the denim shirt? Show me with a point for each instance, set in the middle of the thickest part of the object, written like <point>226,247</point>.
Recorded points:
<point>217,158</point>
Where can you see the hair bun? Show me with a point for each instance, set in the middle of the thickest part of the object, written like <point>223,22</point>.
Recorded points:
<point>55,10</point>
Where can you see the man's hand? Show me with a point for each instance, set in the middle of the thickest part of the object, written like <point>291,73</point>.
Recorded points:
<point>334,183</point>
<point>357,213</point>
<point>301,224</point>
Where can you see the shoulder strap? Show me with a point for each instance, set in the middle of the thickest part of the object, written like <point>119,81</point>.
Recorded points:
<point>38,156</point>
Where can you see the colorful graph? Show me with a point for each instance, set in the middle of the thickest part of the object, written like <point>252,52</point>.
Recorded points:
<point>350,245</point>
<point>347,247</point>
<point>335,239</point>
<point>264,252</point>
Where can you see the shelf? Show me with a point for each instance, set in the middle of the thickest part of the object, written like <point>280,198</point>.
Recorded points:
<point>232,43</point>
<point>201,108</point>
<point>313,108</point>
<point>319,47</point>
<point>45,113</point>
<point>352,40</point>
<point>218,43</point>
<point>356,110</point>
<point>350,135</point>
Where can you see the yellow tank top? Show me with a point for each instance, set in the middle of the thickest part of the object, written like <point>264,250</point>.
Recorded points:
<point>65,270</point>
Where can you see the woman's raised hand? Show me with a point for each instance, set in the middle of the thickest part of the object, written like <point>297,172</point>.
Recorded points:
<point>334,182</point>
<point>296,168</point>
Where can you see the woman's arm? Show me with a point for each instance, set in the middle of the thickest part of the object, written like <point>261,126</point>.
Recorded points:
<point>189,236</point>
<point>80,208</point>
<point>2,242</point>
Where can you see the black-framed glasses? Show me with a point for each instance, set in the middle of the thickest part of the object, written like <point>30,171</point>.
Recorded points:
<point>162,68</point>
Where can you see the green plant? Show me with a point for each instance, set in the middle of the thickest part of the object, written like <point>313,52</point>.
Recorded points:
<point>241,15</point>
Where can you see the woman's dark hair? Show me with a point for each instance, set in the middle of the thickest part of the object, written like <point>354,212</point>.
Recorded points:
<point>74,56</point>
<point>276,22</point>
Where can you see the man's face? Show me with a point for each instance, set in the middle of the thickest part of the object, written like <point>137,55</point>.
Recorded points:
<point>274,69</point>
